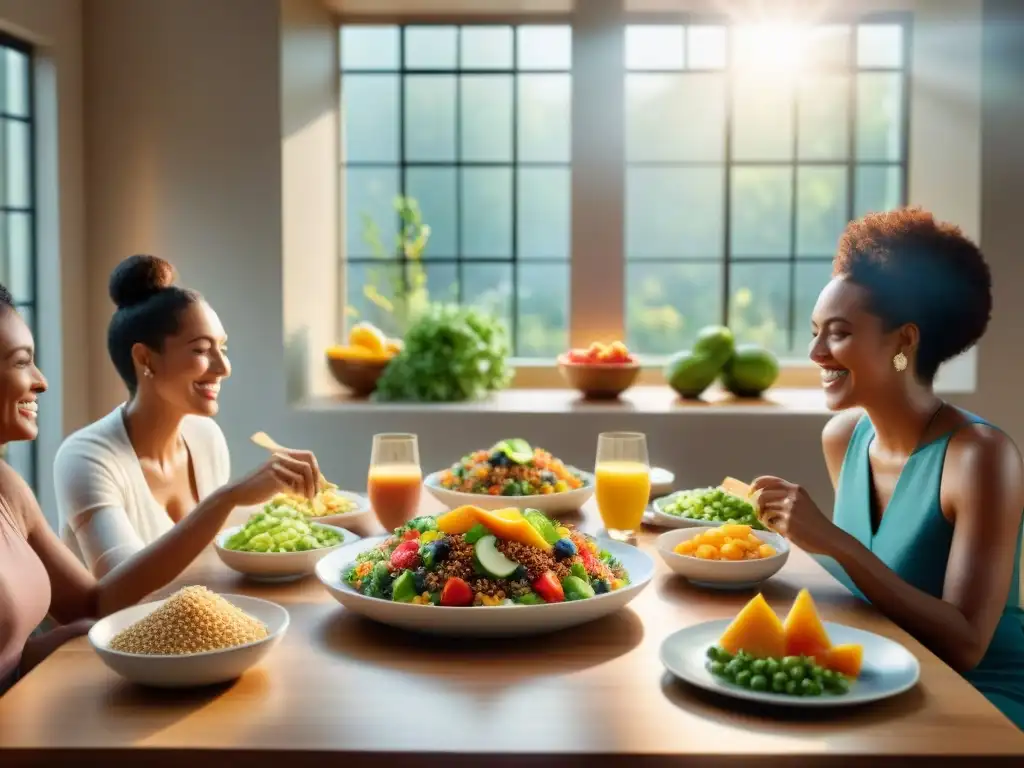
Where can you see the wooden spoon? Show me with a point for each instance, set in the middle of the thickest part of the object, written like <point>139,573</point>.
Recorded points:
<point>263,440</point>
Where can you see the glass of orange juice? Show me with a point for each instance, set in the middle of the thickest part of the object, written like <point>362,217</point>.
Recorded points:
<point>395,478</point>
<point>623,479</point>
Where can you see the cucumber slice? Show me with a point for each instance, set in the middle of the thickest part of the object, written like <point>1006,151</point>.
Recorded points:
<point>491,560</point>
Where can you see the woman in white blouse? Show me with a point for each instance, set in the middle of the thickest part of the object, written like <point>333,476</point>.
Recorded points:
<point>148,482</point>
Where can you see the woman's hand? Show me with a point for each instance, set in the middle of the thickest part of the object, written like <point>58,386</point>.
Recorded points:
<point>788,509</point>
<point>294,472</point>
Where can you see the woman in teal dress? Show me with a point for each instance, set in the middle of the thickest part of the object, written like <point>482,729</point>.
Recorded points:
<point>929,502</point>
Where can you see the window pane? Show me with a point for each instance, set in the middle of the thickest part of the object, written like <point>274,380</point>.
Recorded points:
<point>369,47</point>
<point>667,304</point>
<point>544,118</point>
<point>489,286</point>
<point>824,117</point>
<point>762,119</point>
<point>369,194</point>
<point>820,209</point>
<point>382,278</point>
<point>486,47</point>
<point>442,279</point>
<point>431,47</point>
<point>543,212</point>
<point>435,191</point>
<point>16,65</point>
<point>429,118</point>
<point>544,47</point>
<point>16,159</point>
<point>762,199</point>
<point>674,212</point>
<point>675,117</point>
<point>18,255</point>
<point>705,47</point>
<point>827,47</point>
<point>880,45</point>
<point>877,188</point>
<point>542,304</point>
<point>654,46</point>
<point>487,212</point>
<point>759,304</point>
<point>370,118</point>
<point>810,278</point>
<point>879,116</point>
<point>486,118</point>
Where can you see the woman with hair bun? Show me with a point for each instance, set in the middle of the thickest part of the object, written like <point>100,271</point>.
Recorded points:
<point>145,488</point>
<point>929,501</point>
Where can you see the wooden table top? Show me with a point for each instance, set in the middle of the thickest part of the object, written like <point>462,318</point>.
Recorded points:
<point>341,687</point>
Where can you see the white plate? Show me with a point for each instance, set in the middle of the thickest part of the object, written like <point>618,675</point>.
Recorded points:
<point>189,670</point>
<point>485,621</point>
<point>889,668</point>
<point>276,566</point>
<point>661,482</point>
<point>549,504</point>
<point>722,574</point>
<point>665,520</point>
<point>357,517</point>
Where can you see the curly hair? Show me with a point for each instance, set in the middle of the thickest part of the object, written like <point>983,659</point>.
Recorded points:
<point>921,271</point>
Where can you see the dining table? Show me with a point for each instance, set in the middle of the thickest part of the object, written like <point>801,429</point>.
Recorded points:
<point>340,690</point>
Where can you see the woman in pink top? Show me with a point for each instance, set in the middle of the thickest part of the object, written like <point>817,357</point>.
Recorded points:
<point>40,576</point>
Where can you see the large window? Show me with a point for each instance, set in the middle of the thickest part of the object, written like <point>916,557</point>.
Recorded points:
<point>17,208</point>
<point>747,149</point>
<point>473,122</point>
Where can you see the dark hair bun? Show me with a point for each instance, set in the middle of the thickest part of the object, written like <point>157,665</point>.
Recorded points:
<point>137,278</point>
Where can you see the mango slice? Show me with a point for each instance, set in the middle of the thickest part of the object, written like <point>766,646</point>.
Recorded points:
<point>509,524</point>
<point>459,520</point>
<point>805,634</point>
<point>845,659</point>
<point>756,630</point>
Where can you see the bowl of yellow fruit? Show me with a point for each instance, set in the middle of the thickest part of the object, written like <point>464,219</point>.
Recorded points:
<point>359,364</point>
<point>730,556</point>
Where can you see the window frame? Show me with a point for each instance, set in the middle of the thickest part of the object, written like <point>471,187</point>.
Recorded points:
<point>31,210</point>
<point>594,311</point>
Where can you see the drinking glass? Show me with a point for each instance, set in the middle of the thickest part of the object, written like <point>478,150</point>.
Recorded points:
<point>623,479</point>
<point>395,478</point>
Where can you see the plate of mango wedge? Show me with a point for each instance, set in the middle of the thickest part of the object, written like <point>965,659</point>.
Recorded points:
<point>801,661</point>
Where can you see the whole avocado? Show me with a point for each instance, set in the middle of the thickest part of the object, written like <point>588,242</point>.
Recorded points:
<point>750,371</point>
<point>715,342</point>
<point>690,373</point>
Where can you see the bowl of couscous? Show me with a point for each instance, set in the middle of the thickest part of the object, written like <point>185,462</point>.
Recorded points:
<point>193,638</point>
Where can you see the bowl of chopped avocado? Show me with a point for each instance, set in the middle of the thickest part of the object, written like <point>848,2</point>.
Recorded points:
<point>278,544</point>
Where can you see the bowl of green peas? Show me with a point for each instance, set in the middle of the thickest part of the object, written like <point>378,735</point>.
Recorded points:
<point>279,544</point>
<point>704,507</point>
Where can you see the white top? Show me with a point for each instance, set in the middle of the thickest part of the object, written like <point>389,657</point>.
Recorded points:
<point>106,511</point>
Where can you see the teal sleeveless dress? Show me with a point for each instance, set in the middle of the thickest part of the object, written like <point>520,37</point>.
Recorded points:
<point>914,539</point>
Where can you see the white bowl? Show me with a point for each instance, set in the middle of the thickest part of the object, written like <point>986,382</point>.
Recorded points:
<point>276,566</point>
<point>485,621</point>
<point>188,670</point>
<point>663,519</point>
<point>722,574</point>
<point>549,504</point>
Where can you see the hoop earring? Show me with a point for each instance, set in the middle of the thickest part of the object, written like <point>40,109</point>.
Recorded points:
<point>899,362</point>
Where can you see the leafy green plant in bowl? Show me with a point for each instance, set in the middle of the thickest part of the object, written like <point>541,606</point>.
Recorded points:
<point>450,353</point>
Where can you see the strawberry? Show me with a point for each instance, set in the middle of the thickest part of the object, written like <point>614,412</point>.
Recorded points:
<point>547,586</point>
<point>406,555</point>
<point>456,593</point>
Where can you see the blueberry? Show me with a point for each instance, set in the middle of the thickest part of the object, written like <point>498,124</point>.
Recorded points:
<point>420,580</point>
<point>601,586</point>
<point>441,548</point>
<point>564,548</point>
<point>520,574</point>
<point>498,459</point>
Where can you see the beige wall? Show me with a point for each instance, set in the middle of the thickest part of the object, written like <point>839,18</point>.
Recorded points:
<point>54,27</point>
<point>190,139</point>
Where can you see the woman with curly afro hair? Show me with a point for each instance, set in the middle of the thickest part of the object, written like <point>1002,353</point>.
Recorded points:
<point>927,522</point>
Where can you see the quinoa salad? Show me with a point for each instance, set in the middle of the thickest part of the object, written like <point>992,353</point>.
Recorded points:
<point>475,557</point>
<point>511,468</point>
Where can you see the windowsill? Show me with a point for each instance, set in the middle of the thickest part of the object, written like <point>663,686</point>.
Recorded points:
<point>640,400</point>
